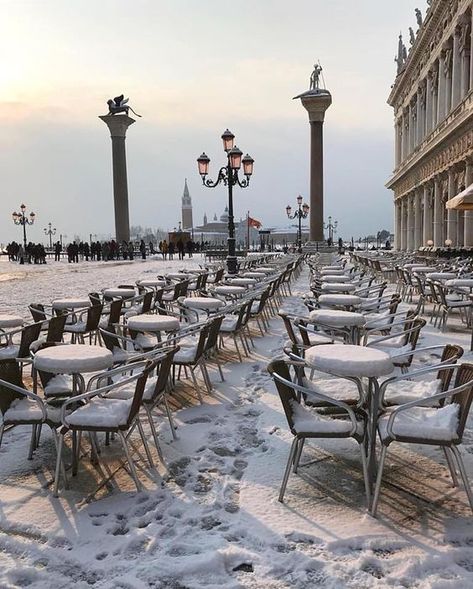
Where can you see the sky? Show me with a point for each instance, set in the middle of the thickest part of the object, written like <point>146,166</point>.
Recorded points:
<point>192,69</point>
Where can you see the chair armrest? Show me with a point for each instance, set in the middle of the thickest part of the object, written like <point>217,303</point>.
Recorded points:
<point>26,393</point>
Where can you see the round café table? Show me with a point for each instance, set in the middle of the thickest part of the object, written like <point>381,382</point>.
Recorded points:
<point>441,276</point>
<point>336,278</point>
<point>340,287</point>
<point>153,324</point>
<point>177,276</point>
<point>339,300</point>
<point>152,282</point>
<point>358,362</point>
<point>256,275</point>
<point>462,282</point>
<point>332,272</point>
<point>70,304</point>
<point>208,304</point>
<point>341,320</point>
<point>246,282</point>
<point>9,321</point>
<point>119,293</point>
<point>230,291</point>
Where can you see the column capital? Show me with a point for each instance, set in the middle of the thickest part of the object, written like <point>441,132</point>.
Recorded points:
<point>117,124</point>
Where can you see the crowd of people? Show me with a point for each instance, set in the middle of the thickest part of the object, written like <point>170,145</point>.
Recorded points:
<point>33,253</point>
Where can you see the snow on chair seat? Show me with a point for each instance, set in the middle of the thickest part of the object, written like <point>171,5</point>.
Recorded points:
<point>107,413</point>
<point>306,421</point>
<point>423,422</point>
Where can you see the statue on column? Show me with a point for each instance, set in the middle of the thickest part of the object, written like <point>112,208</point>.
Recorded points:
<point>119,104</point>
<point>418,17</point>
<point>401,54</point>
<point>314,77</point>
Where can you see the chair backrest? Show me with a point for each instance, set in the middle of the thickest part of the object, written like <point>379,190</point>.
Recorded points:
<point>93,317</point>
<point>147,302</point>
<point>464,398</point>
<point>95,298</point>
<point>56,328</point>
<point>204,280</point>
<point>29,334</point>
<point>289,327</point>
<point>10,371</point>
<point>182,288</point>
<point>139,390</point>
<point>110,339</point>
<point>163,368</point>
<point>219,275</point>
<point>451,353</point>
<point>286,393</point>
<point>214,328</point>
<point>158,297</point>
<point>115,311</point>
<point>37,312</point>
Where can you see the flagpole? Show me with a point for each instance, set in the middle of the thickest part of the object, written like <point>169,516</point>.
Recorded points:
<point>248,230</point>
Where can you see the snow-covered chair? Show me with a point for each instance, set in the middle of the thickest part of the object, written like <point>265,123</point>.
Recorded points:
<point>11,348</point>
<point>307,423</point>
<point>99,413</point>
<point>418,422</point>
<point>87,324</point>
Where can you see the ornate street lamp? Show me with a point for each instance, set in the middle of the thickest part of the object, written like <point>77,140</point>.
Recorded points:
<point>228,175</point>
<point>332,228</point>
<point>49,231</point>
<point>21,219</point>
<point>300,213</point>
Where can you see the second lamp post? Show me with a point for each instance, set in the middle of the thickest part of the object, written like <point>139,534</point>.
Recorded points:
<point>300,213</point>
<point>50,231</point>
<point>228,174</point>
<point>21,219</point>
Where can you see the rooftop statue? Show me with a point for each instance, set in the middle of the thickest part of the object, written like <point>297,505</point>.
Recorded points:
<point>119,104</point>
<point>412,36</point>
<point>401,57</point>
<point>314,77</point>
<point>418,17</point>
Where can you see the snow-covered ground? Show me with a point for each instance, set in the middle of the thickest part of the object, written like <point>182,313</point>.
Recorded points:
<point>210,517</point>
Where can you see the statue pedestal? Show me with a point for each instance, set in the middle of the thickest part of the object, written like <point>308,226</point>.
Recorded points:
<point>118,125</point>
<point>316,102</point>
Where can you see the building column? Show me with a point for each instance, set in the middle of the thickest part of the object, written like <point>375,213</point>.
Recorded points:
<point>418,197</point>
<point>410,222</point>
<point>427,234</point>
<point>465,47</point>
<point>471,52</point>
<point>397,220</point>
<point>468,219</point>
<point>452,229</point>
<point>428,104</point>
<point>397,143</point>
<point>404,223</point>
<point>438,212</point>
<point>456,68</point>
<point>420,113</point>
<point>405,134</point>
<point>413,127</point>
<point>441,89</point>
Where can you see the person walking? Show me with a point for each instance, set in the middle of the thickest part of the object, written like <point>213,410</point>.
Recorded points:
<point>180,249</point>
<point>131,250</point>
<point>164,249</point>
<point>143,249</point>
<point>171,250</point>
<point>57,251</point>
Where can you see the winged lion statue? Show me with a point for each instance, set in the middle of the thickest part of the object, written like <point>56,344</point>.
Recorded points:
<point>119,104</point>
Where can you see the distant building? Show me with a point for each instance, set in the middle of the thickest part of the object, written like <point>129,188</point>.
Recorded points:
<point>187,223</point>
<point>216,231</point>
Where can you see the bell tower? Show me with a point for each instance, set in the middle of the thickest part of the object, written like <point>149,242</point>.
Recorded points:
<point>187,223</point>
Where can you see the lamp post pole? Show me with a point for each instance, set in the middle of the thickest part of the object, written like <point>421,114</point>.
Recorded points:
<point>49,231</point>
<point>300,213</point>
<point>332,228</point>
<point>228,175</point>
<point>21,219</point>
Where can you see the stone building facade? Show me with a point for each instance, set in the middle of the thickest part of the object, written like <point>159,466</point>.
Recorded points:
<point>432,98</point>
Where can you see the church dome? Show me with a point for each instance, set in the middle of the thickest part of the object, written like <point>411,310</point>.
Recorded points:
<point>224,216</point>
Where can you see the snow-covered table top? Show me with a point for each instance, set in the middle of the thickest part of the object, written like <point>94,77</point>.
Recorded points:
<point>413,266</point>
<point>265,269</point>
<point>73,359</point>
<point>337,287</point>
<point>70,303</point>
<point>243,281</point>
<point>340,299</point>
<point>460,282</point>
<point>230,290</point>
<point>334,318</point>
<point>331,268</point>
<point>177,275</point>
<point>254,275</point>
<point>152,282</point>
<point>441,275</point>
<point>335,278</point>
<point>332,272</point>
<point>10,320</point>
<point>348,360</point>
<point>422,269</point>
<point>203,303</point>
<point>124,293</point>
<point>153,323</point>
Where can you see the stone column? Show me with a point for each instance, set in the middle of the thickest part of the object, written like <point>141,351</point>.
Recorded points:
<point>405,134</point>
<point>427,232</point>
<point>316,102</point>
<point>397,229</point>
<point>465,47</point>
<point>441,89</point>
<point>420,113</point>
<point>413,126</point>
<point>452,229</point>
<point>468,219</point>
<point>118,124</point>
<point>397,144</point>
<point>456,68</point>
<point>410,222</point>
<point>438,212</point>
<point>435,101</point>
<point>403,223</point>
<point>428,104</point>
<point>418,197</point>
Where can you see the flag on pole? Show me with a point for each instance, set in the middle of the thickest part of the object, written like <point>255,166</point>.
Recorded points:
<point>254,222</point>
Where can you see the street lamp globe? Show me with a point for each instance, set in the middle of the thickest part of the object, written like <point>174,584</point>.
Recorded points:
<point>15,216</point>
<point>228,138</point>
<point>305,208</point>
<point>203,163</point>
<point>32,215</point>
<point>248,162</point>
<point>299,200</point>
<point>235,158</point>
<point>22,206</point>
<point>288,210</point>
